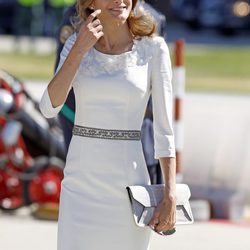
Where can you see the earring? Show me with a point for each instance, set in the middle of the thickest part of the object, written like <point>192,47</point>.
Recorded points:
<point>91,7</point>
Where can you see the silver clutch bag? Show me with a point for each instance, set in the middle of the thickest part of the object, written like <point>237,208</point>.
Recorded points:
<point>144,200</point>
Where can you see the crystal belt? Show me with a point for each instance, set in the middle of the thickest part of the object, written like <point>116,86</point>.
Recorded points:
<point>114,134</point>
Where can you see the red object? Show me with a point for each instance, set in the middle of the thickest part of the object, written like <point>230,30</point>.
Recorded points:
<point>46,186</point>
<point>11,186</point>
<point>10,191</point>
<point>179,55</point>
<point>18,97</point>
<point>24,180</point>
<point>177,114</point>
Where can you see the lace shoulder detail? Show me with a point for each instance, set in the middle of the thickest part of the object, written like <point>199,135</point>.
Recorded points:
<point>96,63</point>
<point>71,40</point>
<point>68,45</point>
<point>159,44</point>
<point>65,50</point>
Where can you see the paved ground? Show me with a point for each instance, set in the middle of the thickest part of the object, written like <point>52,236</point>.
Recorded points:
<point>23,232</point>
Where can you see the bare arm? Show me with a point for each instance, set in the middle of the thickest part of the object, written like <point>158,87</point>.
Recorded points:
<point>165,215</point>
<point>60,85</point>
<point>168,168</point>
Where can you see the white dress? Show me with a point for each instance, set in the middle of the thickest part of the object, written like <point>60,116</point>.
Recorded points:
<point>111,93</point>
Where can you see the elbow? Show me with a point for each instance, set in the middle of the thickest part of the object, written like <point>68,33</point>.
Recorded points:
<point>165,146</point>
<point>46,112</point>
<point>46,107</point>
<point>165,153</point>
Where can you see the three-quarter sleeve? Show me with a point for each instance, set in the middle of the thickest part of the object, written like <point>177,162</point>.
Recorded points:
<point>161,89</point>
<point>45,104</point>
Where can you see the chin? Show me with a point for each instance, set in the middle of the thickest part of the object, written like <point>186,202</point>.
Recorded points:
<point>121,17</point>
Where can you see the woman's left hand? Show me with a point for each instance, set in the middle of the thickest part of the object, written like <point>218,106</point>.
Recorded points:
<point>164,217</point>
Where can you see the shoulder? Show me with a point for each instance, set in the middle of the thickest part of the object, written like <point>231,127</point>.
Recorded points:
<point>157,41</point>
<point>160,44</point>
<point>155,44</point>
<point>150,49</point>
<point>71,40</point>
<point>69,43</point>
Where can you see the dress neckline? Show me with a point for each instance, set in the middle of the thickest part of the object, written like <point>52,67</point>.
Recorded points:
<point>117,55</point>
<point>96,63</point>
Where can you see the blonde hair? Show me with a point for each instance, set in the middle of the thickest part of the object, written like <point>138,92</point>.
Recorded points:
<point>140,24</point>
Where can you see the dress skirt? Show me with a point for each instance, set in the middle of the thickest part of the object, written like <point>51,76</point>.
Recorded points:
<point>95,211</point>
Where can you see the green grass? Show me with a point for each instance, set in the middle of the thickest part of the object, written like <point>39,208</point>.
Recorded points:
<point>208,68</point>
<point>28,66</point>
<point>218,69</point>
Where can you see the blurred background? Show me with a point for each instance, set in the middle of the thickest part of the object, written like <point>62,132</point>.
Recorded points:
<point>209,42</point>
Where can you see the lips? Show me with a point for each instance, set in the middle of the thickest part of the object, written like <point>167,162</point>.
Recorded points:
<point>118,8</point>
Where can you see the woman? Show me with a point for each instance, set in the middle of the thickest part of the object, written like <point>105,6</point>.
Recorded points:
<point>113,64</point>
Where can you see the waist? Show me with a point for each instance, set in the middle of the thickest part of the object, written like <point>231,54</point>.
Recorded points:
<point>112,134</point>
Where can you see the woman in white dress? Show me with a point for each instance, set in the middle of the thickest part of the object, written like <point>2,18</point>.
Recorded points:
<point>114,63</point>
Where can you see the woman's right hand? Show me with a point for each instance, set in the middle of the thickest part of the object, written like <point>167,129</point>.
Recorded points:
<point>90,32</point>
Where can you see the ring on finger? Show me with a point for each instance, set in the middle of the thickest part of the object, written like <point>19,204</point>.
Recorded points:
<point>96,22</point>
<point>169,232</point>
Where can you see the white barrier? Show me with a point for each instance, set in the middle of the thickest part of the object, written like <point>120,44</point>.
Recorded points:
<point>178,92</point>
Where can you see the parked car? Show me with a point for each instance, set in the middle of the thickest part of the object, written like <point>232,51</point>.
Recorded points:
<point>225,15</point>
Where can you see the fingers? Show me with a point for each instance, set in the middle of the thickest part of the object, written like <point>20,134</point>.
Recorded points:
<point>98,28</point>
<point>93,15</point>
<point>100,34</point>
<point>96,31</point>
<point>90,32</point>
<point>159,224</point>
<point>155,220</point>
<point>165,226</point>
<point>167,222</point>
<point>96,23</point>
<point>95,26</point>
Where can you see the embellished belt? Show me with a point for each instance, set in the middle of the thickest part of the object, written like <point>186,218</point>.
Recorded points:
<point>114,134</point>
